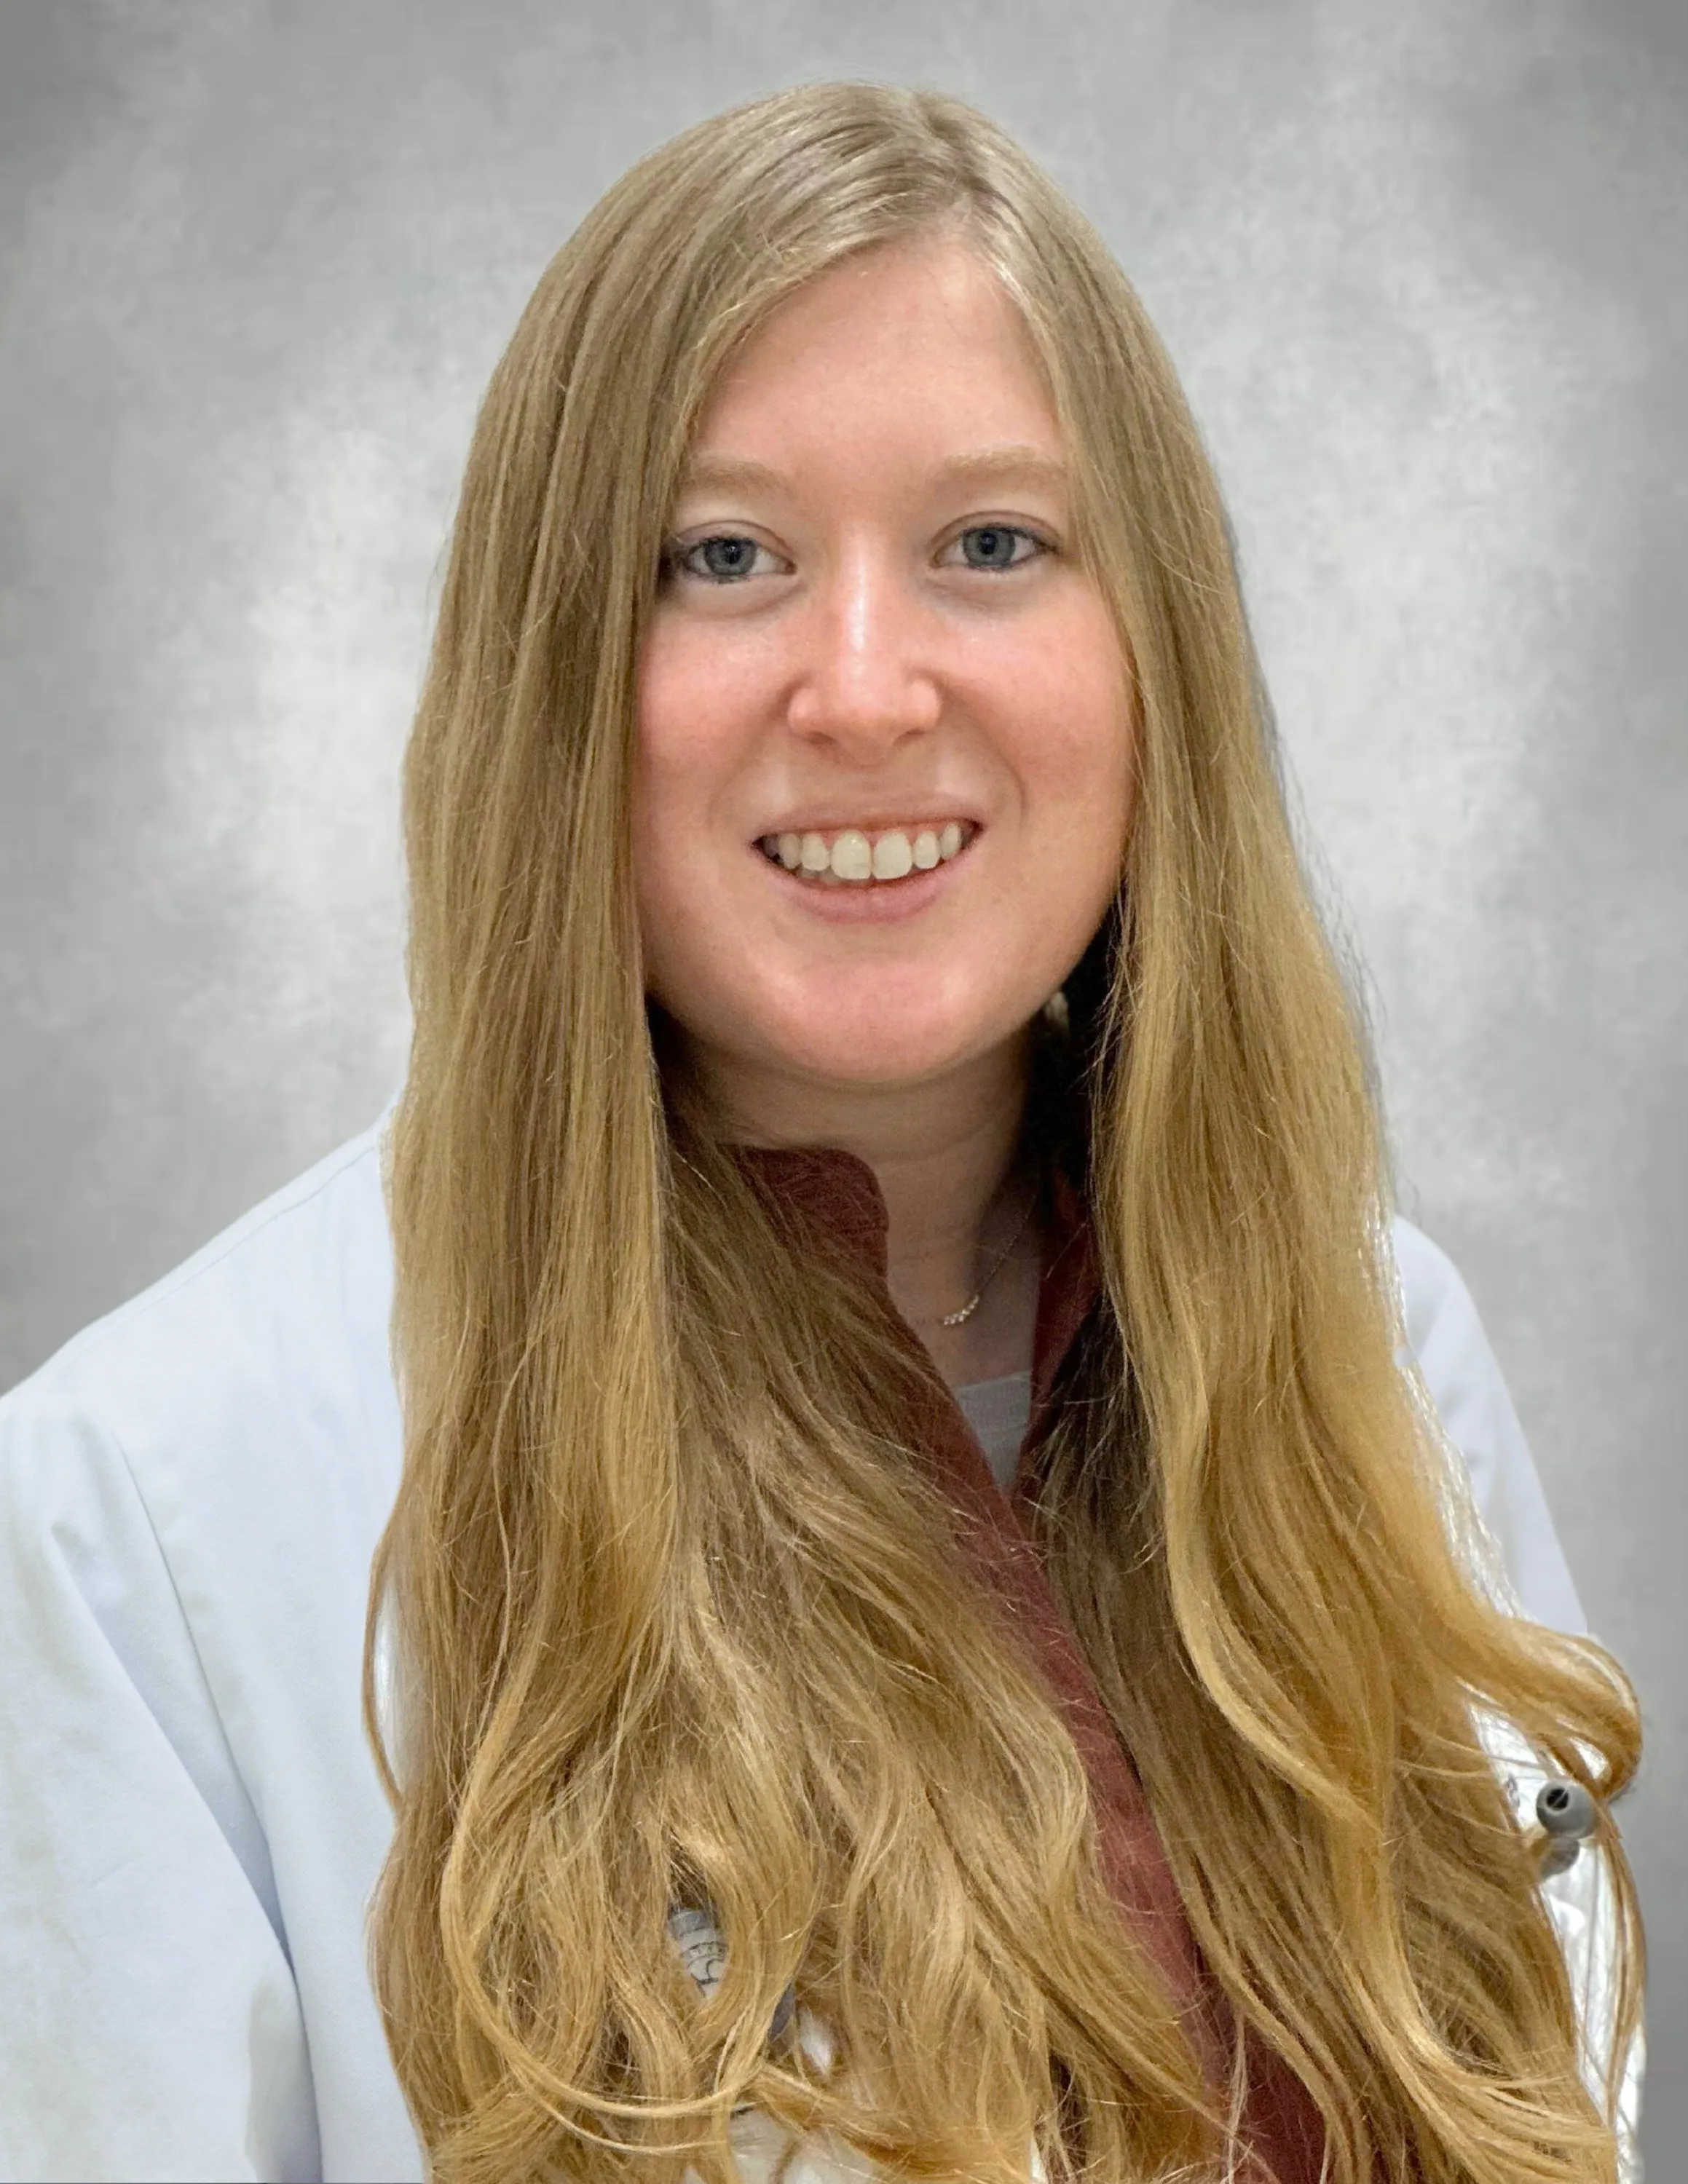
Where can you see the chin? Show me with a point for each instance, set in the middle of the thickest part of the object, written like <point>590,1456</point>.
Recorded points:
<point>883,1052</point>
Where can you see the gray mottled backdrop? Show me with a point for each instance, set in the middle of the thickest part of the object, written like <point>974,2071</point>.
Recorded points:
<point>1423,267</point>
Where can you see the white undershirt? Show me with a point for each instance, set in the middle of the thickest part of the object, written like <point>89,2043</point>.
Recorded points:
<point>999,1412</point>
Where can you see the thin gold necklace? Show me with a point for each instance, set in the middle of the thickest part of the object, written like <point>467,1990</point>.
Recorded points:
<point>967,1310</point>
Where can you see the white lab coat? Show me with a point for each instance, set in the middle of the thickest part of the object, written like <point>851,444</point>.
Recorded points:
<point>190,1492</point>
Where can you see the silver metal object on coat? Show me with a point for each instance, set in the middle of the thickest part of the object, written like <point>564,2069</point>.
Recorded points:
<point>704,1955</point>
<point>1567,1815</point>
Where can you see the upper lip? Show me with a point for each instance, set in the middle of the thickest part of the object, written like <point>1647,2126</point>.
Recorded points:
<point>936,816</point>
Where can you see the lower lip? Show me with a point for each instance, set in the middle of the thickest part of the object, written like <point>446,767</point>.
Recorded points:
<point>867,902</point>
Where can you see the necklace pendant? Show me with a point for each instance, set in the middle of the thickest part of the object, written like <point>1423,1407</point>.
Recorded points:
<point>967,1310</point>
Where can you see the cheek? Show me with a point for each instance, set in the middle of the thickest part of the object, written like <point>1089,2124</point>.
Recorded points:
<point>666,742</point>
<point>700,700</point>
<point>666,758</point>
<point>693,726</point>
<point>1073,714</point>
<point>676,746</point>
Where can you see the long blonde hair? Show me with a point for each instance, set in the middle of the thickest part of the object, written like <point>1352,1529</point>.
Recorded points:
<point>679,1608</point>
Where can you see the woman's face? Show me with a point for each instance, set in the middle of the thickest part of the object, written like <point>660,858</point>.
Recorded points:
<point>873,640</point>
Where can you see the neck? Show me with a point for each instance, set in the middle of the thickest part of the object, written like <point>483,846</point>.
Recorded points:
<point>944,1154</point>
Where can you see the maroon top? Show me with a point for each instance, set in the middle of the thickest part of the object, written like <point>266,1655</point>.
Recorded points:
<point>838,1194</point>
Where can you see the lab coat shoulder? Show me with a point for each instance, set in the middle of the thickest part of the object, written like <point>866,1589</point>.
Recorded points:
<point>285,1306</point>
<point>1465,1386</point>
<point>190,1491</point>
<point>243,1411</point>
<point>248,1393</point>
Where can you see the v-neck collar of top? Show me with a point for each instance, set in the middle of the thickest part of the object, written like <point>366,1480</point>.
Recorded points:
<point>837,1196</point>
<point>837,1193</point>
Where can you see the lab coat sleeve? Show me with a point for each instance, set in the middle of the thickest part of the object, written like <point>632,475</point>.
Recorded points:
<point>149,2025</point>
<point>1464,1383</point>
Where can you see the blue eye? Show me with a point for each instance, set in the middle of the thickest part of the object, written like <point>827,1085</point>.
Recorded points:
<point>723,559</point>
<point>997,546</point>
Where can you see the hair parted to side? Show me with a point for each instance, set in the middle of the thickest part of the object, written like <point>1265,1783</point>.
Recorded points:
<point>678,1612</point>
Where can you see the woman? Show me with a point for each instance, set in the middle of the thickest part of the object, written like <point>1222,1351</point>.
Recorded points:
<point>857,955</point>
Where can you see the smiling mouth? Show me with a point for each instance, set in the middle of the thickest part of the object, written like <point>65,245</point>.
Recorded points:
<point>851,857</point>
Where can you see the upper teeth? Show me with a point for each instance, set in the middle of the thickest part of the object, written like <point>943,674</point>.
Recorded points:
<point>850,855</point>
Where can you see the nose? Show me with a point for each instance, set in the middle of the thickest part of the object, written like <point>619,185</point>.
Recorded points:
<point>866,681</point>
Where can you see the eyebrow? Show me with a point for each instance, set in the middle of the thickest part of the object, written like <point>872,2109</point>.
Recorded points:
<point>1015,462</point>
<point>1022,465</point>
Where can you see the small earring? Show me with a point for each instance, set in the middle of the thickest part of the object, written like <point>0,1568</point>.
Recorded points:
<point>1055,1012</point>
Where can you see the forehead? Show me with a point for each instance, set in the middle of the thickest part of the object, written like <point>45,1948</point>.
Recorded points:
<point>914,340</point>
